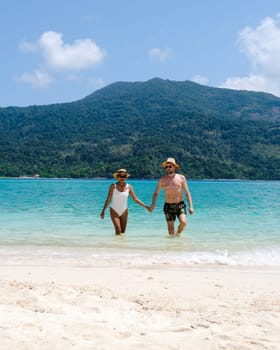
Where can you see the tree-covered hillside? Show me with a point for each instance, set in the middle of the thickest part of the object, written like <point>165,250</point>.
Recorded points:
<point>212,133</point>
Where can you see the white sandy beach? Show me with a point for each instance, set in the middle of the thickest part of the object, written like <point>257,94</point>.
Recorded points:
<point>129,307</point>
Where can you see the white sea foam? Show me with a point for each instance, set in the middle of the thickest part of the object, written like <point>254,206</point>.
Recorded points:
<point>89,257</point>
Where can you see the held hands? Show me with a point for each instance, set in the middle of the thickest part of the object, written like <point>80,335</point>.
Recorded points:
<point>148,208</point>
<point>102,214</point>
<point>191,210</point>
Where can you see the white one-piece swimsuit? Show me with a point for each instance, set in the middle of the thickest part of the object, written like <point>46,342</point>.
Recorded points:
<point>119,200</point>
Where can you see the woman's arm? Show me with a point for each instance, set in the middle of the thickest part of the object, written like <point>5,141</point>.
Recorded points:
<point>107,201</point>
<point>135,198</point>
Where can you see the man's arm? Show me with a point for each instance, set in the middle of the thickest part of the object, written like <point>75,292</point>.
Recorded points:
<point>155,196</point>
<point>188,194</point>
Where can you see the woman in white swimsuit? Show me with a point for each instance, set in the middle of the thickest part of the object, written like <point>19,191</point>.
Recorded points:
<point>118,195</point>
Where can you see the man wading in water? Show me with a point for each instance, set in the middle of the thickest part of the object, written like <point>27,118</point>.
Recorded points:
<point>173,185</point>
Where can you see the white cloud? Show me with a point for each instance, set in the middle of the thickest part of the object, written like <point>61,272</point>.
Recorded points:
<point>252,82</point>
<point>82,54</point>
<point>262,48</point>
<point>59,56</point>
<point>200,79</point>
<point>37,78</point>
<point>160,55</point>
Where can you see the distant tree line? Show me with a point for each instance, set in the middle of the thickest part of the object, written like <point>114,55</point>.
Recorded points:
<point>213,133</point>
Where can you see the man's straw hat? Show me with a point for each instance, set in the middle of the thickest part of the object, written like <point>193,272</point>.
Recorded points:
<point>171,161</point>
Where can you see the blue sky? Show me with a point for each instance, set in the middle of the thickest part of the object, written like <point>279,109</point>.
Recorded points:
<point>61,51</point>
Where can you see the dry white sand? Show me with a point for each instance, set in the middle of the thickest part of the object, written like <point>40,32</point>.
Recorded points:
<point>129,307</point>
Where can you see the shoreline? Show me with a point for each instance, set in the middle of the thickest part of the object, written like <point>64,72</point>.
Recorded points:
<point>120,255</point>
<point>132,307</point>
<point>26,177</point>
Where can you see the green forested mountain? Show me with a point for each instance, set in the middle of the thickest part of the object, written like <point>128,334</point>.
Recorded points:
<point>212,133</point>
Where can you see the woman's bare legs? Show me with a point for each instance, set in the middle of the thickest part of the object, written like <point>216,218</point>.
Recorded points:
<point>119,222</point>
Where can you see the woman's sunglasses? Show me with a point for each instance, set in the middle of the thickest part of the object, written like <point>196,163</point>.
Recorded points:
<point>122,176</point>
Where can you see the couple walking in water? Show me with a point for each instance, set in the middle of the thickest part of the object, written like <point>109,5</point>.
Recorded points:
<point>173,184</point>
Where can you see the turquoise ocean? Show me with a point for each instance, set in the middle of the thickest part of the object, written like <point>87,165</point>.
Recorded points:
<point>57,222</point>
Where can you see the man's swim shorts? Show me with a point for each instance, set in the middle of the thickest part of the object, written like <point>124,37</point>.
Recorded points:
<point>171,210</point>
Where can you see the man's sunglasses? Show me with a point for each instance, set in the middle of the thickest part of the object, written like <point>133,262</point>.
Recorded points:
<point>168,167</point>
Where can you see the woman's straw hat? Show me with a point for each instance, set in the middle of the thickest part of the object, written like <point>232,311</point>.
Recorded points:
<point>120,171</point>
